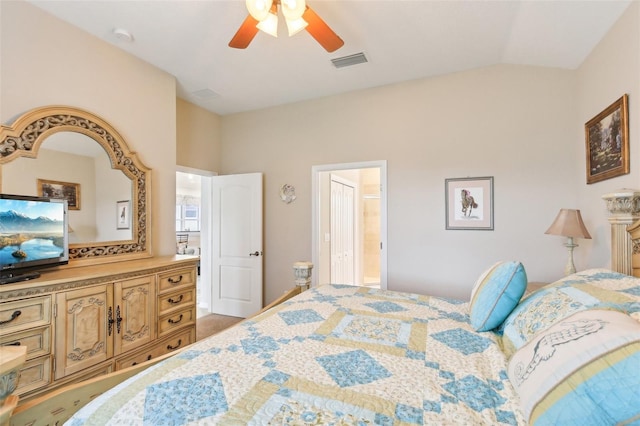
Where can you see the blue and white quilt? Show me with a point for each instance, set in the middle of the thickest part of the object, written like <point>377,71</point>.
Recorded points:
<point>333,355</point>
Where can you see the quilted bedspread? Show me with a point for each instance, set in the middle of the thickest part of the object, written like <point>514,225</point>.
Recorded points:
<point>332,355</point>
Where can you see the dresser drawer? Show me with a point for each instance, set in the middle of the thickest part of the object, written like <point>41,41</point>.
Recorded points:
<point>34,374</point>
<point>175,301</point>
<point>37,341</point>
<point>96,371</point>
<point>26,313</point>
<point>165,346</point>
<point>177,280</point>
<point>135,359</point>
<point>176,320</point>
<point>178,341</point>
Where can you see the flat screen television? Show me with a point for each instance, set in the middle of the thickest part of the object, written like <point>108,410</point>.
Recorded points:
<point>33,235</point>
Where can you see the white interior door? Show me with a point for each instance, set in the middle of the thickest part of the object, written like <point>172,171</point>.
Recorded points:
<point>237,244</point>
<point>342,231</point>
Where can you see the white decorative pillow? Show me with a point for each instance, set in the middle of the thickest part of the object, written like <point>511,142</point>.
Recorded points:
<point>582,370</point>
<point>496,294</point>
<point>554,303</point>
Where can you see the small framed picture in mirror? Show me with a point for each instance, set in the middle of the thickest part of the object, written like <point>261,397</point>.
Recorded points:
<point>60,190</point>
<point>123,214</point>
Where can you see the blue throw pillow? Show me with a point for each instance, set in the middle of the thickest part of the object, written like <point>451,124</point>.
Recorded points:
<point>496,294</point>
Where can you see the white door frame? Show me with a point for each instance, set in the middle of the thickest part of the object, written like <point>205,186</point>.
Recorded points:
<point>315,211</point>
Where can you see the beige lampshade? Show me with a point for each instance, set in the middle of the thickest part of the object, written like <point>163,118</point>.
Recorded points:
<point>569,223</point>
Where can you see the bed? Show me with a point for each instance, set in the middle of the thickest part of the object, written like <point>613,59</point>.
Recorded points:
<point>332,354</point>
<point>338,354</point>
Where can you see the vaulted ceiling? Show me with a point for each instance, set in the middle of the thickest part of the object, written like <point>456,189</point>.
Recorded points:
<point>401,39</point>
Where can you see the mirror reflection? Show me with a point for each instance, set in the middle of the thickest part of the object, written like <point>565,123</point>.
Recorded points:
<point>75,158</point>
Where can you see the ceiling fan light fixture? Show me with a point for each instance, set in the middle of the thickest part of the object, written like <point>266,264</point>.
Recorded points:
<point>269,25</point>
<point>293,9</point>
<point>295,25</point>
<point>259,9</point>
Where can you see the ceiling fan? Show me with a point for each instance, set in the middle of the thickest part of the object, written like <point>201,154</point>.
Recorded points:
<point>263,15</point>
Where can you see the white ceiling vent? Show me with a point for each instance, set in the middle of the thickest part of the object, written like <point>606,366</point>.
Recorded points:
<point>205,94</point>
<point>347,61</point>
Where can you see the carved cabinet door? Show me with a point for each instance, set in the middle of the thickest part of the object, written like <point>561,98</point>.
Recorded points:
<point>84,328</point>
<point>134,313</point>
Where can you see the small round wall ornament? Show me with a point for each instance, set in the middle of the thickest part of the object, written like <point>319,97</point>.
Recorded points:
<point>287,193</point>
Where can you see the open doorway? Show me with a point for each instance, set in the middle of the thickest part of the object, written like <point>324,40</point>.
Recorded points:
<point>349,224</point>
<point>193,201</point>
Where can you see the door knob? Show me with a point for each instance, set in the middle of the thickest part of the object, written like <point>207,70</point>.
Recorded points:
<point>256,253</point>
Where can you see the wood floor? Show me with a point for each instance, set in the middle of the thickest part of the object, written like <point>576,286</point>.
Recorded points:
<point>213,323</point>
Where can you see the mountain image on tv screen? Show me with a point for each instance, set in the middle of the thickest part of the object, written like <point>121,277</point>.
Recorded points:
<point>30,231</point>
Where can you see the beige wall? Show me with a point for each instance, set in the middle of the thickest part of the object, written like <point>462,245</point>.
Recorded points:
<point>198,137</point>
<point>44,61</point>
<point>612,69</point>
<point>510,122</point>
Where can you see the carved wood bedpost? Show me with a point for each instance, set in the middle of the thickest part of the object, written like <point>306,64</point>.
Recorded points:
<point>624,210</point>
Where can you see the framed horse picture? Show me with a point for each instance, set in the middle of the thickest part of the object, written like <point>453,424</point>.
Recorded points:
<point>469,203</point>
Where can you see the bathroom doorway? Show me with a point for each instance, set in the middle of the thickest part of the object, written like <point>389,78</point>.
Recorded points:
<point>349,224</point>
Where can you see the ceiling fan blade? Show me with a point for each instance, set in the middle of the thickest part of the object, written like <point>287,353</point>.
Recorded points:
<point>321,31</point>
<point>245,34</point>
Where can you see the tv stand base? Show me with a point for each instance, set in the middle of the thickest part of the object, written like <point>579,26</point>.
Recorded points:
<point>16,278</point>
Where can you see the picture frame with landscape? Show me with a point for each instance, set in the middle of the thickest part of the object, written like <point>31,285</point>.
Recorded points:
<point>607,142</point>
<point>60,190</point>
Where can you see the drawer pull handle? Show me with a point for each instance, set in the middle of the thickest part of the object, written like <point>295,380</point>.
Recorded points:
<point>13,344</point>
<point>110,320</point>
<point>175,301</point>
<point>118,319</point>
<point>14,315</point>
<point>172,281</point>
<point>172,321</point>
<point>176,346</point>
<point>136,362</point>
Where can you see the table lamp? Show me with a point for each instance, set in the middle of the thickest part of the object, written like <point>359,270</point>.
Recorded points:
<point>569,224</point>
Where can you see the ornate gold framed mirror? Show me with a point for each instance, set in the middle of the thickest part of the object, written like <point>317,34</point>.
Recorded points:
<point>108,235</point>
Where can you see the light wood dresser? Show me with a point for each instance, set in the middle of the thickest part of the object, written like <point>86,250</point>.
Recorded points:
<point>83,322</point>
